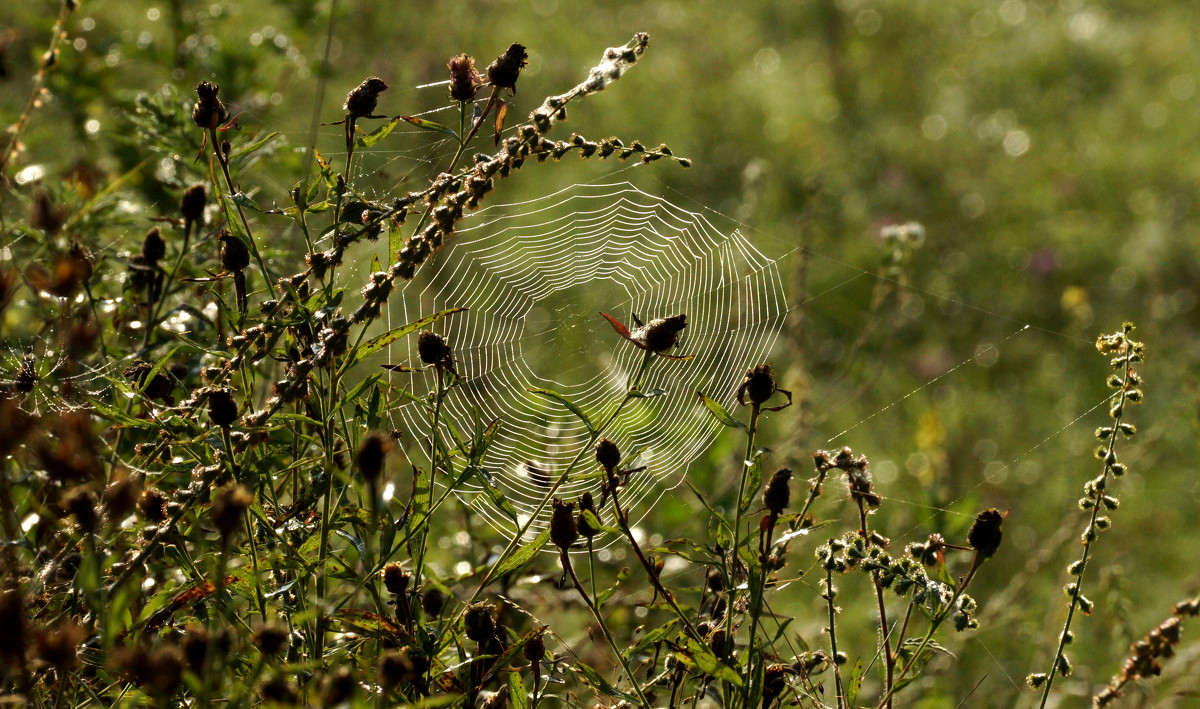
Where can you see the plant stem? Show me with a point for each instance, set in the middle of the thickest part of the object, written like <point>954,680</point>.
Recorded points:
<point>837,668</point>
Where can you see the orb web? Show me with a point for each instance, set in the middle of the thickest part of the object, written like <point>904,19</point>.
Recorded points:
<point>533,278</point>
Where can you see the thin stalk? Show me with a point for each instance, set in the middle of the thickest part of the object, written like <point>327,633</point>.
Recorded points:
<point>612,644</point>
<point>49,60</point>
<point>434,446</point>
<point>888,659</point>
<point>327,435</point>
<point>223,161</point>
<point>837,668</point>
<point>735,561</point>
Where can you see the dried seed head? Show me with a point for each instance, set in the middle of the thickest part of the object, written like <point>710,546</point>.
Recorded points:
<point>985,534</point>
<point>121,496</point>
<point>153,506</point>
<point>535,649</point>
<point>153,247</point>
<point>759,384</point>
<point>82,506</point>
<point>607,454</point>
<point>563,531</point>
<point>464,80</point>
<point>663,334</point>
<point>339,687</point>
<point>395,579</point>
<point>480,621</point>
<point>433,348</point>
<point>361,101</point>
<point>270,638</point>
<point>503,72</point>
<point>774,682</point>
<point>191,204</point>
<point>12,619</point>
<point>371,453</point>
<point>279,691</point>
<point>57,646</point>
<point>222,409</point>
<point>234,254</point>
<point>432,603</point>
<point>777,493</point>
<point>208,112</point>
<point>232,501</point>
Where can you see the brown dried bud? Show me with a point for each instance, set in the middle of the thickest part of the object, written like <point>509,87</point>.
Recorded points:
<point>607,454</point>
<point>464,80</point>
<point>503,72</point>
<point>395,579</point>
<point>222,409</point>
<point>563,531</point>
<point>985,534</point>
<point>58,646</point>
<point>191,204</point>
<point>270,638</point>
<point>208,112</point>
<point>758,385</point>
<point>121,496</point>
<point>80,503</point>
<point>232,501</point>
<point>774,682</point>
<point>432,603</point>
<point>371,453</point>
<point>777,493</point>
<point>433,348</point>
<point>479,620</point>
<point>361,101</point>
<point>535,649</point>
<point>153,505</point>
<point>663,334</point>
<point>153,247</point>
<point>339,687</point>
<point>234,254</point>
<point>12,619</point>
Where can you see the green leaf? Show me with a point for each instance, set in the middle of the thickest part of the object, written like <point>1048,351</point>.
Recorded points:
<point>720,413</point>
<point>522,555</point>
<point>753,481</point>
<point>241,199</point>
<point>603,596</point>
<point>395,238</point>
<point>377,135</point>
<point>551,394</point>
<point>655,635</point>
<point>430,125</point>
<point>855,683</point>
<point>593,678</point>
<point>494,494</point>
<point>703,659</point>
<point>298,418</point>
<point>380,341</point>
<point>256,145</point>
<point>516,691</point>
<point>635,394</point>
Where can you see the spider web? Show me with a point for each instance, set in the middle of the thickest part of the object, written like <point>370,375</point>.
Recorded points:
<point>533,278</point>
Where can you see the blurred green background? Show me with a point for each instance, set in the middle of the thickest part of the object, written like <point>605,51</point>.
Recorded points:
<point>1045,146</point>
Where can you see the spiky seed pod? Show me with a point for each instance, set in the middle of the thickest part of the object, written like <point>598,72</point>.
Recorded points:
<point>371,453</point>
<point>479,620</point>
<point>777,492</point>
<point>985,534</point>
<point>153,506</point>
<point>232,501</point>
<point>563,531</point>
<point>503,72</point>
<point>607,454</point>
<point>362,100</point>
<point>191,204</point>
<point>222,409</point>
<point>208,112</point>
<point>663,334</point>
<point>395,579</point>
<point>153,247</point>
<point>433,348</point>
<point>464,80</point>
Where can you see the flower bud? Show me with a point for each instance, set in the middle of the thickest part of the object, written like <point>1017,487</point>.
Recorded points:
<point>395,579</point>
<point>758,385</point>
<point>480,622</point>
<point>371,453</point>
<point>191,204</point>
<point>985,534</point>
<point>464,80</point>
<point>222,409</point>
<point>663,334</point>
<point>208,112</point>
<point>607,454</point>
<point>232,501</point>
<point>433,348</point>
<point>234,254</point>
<point>776,494</point>
<point>563,531</point>
<point>153,247</point>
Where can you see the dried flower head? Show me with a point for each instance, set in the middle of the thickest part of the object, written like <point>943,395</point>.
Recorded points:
<point>153,247</point>
<point>607,454</point>
<point>464,79</point>
<point>270,638</point>
<point>563,530</point>
<point>371,453</point>
<point>503,72</point>
<point>479,620</point>
<point>232,501</point>
<point>362,100</point>
<point>191,204</point>
<point>662,334</point>
<point>433,349</point>
<point>234,254</point>
<point>395,579</point>
<point>208,112</point>
<point>985,534</point>
<point>777,493</point>
<point>222,409</point>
